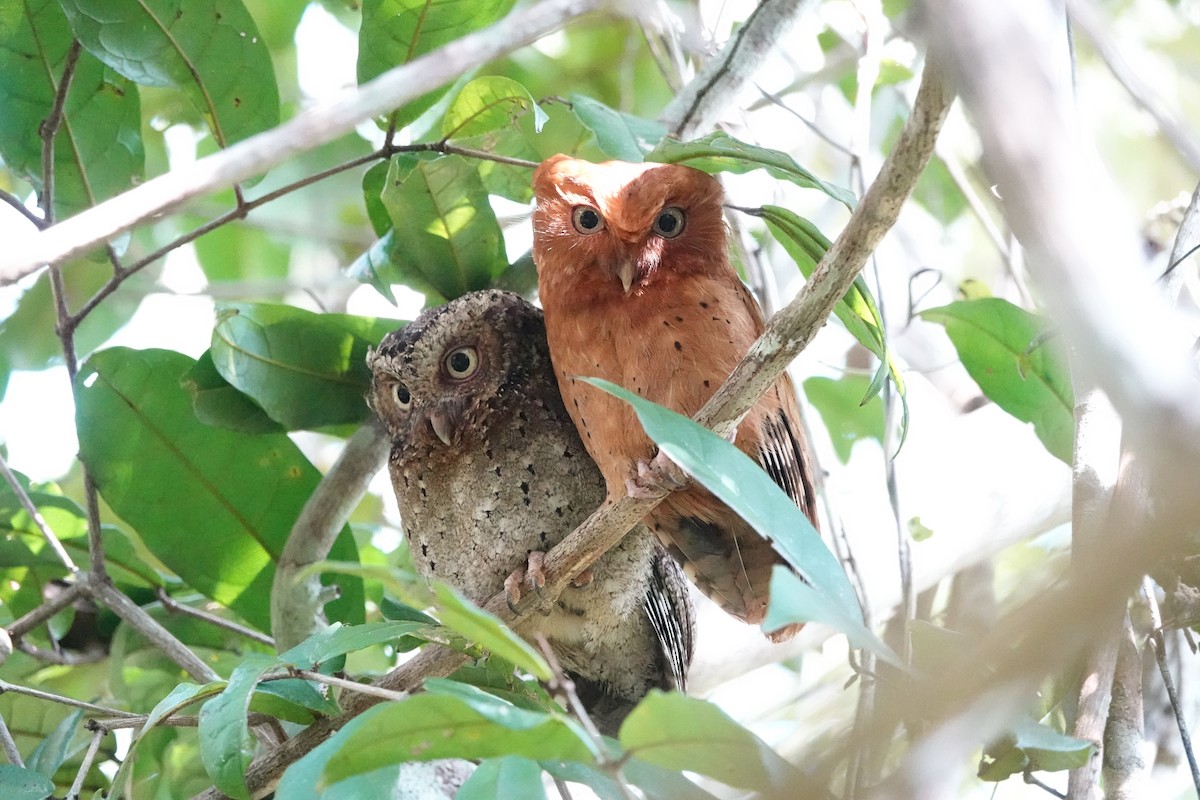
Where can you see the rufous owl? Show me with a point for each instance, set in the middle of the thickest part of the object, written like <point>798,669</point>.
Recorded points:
<point>489,473</point>
<point>637,287</point>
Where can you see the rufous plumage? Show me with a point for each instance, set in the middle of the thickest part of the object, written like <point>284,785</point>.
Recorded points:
<point>637,287</point>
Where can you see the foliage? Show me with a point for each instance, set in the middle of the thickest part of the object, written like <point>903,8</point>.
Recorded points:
<point>203,460</point>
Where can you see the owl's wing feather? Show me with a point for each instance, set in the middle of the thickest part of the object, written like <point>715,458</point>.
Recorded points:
<point>783,450</point>
<point>673,618</point>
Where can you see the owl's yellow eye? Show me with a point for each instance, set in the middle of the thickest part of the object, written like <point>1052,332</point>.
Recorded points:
<point>461,363</point>
<point>587,219</point>
<point>401,395</point>
<point>669,223</point>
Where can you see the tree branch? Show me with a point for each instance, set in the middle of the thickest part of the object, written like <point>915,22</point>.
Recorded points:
<point>103,591</point>
<point>259,153</point>
<point>699,105</point>
<point>296,603</point>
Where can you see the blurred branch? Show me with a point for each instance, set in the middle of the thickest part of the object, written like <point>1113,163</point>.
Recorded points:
<point>1086,17</point>
<point>1158,643</point>
<point>9,745</point>
<point>307,130</point>
<point>1097,447</point>
<point>38,520</point>
<point>699,105</point>
<point>1126,338</point>
<point>1124,769</point>
<point>296,603</point>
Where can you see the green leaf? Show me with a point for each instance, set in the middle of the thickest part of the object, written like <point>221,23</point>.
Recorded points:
<point>209,49</point>
<point>98,146</point>
<point>446,241</point>
<point>226,745</point>
<point>305,370</point>
<point>302,780</point>
<point>487,104</point>
<point>743,486</point>
<point>720,152</point>
<point>621,136</point>
<point>213,505</point>
<point>806,245</point>
<point>52,751</point>
<point>394,32</point>
<point>1034,747</point>
<point>846,417</point>
<point>671,730</point>
<point>794,600</point>
<point>1004,348</point>
<point>374,181</point>
<point>217,402</point>
<point>338,640</point>
<point>461,615</point>
<point>178,699</point>
<point>292,700</point>
<point>660,783</point>
<point>429,726</point>
<point>19,783</point>
<point>508,776</point>
<point>394,610</point>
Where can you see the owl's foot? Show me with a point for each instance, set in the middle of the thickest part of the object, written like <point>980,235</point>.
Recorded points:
<point>583,579</point>
<point>531,574</point>
<point>656,478</point>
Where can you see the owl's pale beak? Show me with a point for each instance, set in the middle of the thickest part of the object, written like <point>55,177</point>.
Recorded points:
<point>625,273</point>
<point>443,424</point>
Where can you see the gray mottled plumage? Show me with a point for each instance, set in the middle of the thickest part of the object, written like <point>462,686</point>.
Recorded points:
<point>488,467</point>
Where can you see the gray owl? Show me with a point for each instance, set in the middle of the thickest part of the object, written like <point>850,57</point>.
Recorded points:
<point>488,469</point>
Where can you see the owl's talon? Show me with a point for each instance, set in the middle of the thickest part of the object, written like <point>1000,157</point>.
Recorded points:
<point>656,478</point>
<point>531,575</point>
<point>583,579</point>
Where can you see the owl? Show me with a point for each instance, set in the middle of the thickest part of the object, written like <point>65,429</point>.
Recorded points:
<point>635,281</point>
<point>489,473</point>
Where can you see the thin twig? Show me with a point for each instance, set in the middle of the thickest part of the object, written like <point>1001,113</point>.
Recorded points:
<point>174,606</point>
<point>37,221</point>
<point>254,719</point>
<point>350,686</point>
<point>1032,780</point>
<point>9,745</point>
<point>307,130</point>
<point>698,106</point>
<point>91,500</point>
<point>135,615</point>
<point>1159,644</point>
<point>244,207</point>
<point>44,527</point>
<point>565,687</point>
<point>39,694</point>
<point>45,611</point>
<point>86,764</point>
<point>60,657</point>
<point>483,155</point>
<point>49,130</point>
<point>812,126</point>
<point>1085,15</point>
